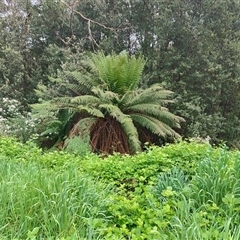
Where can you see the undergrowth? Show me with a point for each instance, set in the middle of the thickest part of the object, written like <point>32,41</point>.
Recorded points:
<point>184,191</point>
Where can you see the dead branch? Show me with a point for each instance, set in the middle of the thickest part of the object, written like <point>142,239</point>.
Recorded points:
<point>87,19</point>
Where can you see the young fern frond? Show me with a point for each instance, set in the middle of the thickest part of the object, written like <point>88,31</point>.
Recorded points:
<point>135,69</point>
<point>120,72</point>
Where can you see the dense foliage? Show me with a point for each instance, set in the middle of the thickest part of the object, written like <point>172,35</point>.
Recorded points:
<point>182,191</point>
<point>186,190</point>
<point>191,47</point>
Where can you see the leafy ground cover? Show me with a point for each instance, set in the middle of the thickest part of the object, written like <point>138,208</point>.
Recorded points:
<point>186,190</point>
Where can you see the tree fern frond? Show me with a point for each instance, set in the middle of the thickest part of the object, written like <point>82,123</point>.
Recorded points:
<point>75,101</point>
<point>126,98</point>
<point>74,88</point>
<point>85,103</point>
<point>84,83</point>
<point>154,125</point>
<point>120,72</point>
<point>41,109</point>
<point>148,108</point>
<point>106,96</point>
<point>153,94</point>
<point>92,111</point>
<point>156,111</point>
<point>134,72</point>
<point>149,124</point>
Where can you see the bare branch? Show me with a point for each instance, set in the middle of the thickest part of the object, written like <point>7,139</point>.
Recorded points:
<point>87,19</point>
<point>90,34</point>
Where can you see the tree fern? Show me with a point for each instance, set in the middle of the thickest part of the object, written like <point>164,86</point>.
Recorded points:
<point>107,93</point>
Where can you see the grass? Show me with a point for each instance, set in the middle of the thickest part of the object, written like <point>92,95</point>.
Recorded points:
<point>181,191</point>
<point>206,206</point>
<point>57,204</point>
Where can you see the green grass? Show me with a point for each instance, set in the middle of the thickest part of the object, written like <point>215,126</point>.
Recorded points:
<point>207,205</point>
<point>181,191</point>
<point>58,204</point>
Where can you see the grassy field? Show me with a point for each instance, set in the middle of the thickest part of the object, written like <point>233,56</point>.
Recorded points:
<point>186,190</point>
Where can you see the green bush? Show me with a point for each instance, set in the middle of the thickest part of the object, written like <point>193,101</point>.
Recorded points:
<point>11,148</point>
<point>145,167</point>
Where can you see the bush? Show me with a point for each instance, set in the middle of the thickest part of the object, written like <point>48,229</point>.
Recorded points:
<point>14,121</point>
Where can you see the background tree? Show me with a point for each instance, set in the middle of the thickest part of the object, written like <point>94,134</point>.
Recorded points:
<point>191,51</point>
<point>192,48</point>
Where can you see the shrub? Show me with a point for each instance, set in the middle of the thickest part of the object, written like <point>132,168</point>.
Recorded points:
<point>14,121</point>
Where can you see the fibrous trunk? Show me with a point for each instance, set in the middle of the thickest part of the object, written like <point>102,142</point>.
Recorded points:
<point>107,136</point>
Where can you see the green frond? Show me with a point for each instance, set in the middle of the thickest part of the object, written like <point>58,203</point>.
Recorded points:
<point>154,125</point>
<point>126,98</point>
<point>148,108</point>
<point>127,125</point>
<point>85,103</point>
<point>75,101</point>
<point>41,109</point>
<point>134,72</point>
<point>83,82</point>
<point>156,111</point>
<point>120,72</point>
<point>95,112</point>
<point>154,94</point>
<point>52,126</point>
<point>105,96</point>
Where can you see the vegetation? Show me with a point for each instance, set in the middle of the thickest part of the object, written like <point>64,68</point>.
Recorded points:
<point>192,48</point>
<point>73,78</point>
<point>106,100</point>
<point>180,191</point>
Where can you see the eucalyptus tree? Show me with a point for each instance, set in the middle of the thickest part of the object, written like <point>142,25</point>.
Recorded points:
<point>119,115</point>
